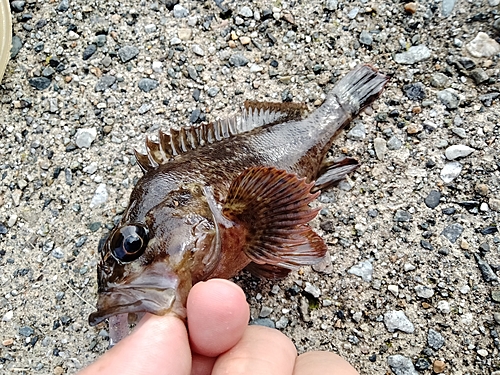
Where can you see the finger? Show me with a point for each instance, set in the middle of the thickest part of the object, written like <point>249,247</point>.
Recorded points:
<point>202,365</point>
<point>261,350</point>
<point>159,345</point>
<point>324,363</point>
<point>217,314</point>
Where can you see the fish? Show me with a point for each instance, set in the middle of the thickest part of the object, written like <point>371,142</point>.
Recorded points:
<point>224,196</point>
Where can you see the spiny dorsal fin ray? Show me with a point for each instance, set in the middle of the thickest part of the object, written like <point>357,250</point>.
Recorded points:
<point>175,142</point>
<point>273,206</point>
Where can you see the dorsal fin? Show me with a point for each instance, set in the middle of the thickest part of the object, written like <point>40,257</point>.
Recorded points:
<point>175,142</point>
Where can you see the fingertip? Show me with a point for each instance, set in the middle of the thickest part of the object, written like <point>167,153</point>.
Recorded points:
<point>325,363</point>
<point>217,316</point>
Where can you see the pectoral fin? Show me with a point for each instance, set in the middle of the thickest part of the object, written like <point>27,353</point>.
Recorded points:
<point>273,206</point>
<point>333,172</point>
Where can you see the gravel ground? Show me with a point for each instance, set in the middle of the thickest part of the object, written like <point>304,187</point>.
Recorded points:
<point>413,285</point>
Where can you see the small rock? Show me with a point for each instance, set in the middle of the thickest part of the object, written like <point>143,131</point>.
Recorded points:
<point>39,83</point>
<point>424,291</point>
<point>180,11</point>
<point>411,8</point>
<point>450,171</point>
<point>312,290</point>
<point>483,46</point>
<point>353,13</point>
<point>282,323</point>
<point>458,151</point>
<point>8,316</point>
<point>401,365</point>
<point>452,232</point>
<point>438,366</point>
<point>148,84</point>
<point>366,38</point>
<point>402,216</point>
<point>397,320</point>
<point>89,51</point>
<point>394,289</point>
<point>415,91</point>
<point>238,60</point>
<point>443,307</point>
<point>434,339</point>
<point>198,50</point>
<point>449,98</point>
<point>414,128</point>
<point>496,316</point>
<point>358,132</point>
<point>362,269</point>
<point>183,34</point>
<point>460,132</point>
<point>127,53</point>
<point>486,271</point>
<point>212,91</point>
<point>150,28</point>
<point>26,331</point>
<point>432,199</point>
<point>482,189</point>
<point>407,267</point>
<point>422,364</point>
<point>100,196</point>
<point>479,76</point>
<point>465,289</point>
<point>85,137</point>
<point>439,80</point>
<point>447,7</point>
<point>394,143</point>
<point>265,311</point>
<point>17,44</point>
<point>331,4</point>
<point>245,12</point>
<point>380,146</point>
<point>413,55</point>
<point>57,253</point>
<point>105,82</point>
<point>17,6</point>
<point>482,352</point>
<point>494,204</point>
<point>63,6</point>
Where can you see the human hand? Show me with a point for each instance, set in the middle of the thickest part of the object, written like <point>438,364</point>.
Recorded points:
<point>219,342</point>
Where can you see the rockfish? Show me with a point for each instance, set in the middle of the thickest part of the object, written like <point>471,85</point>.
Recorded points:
<point>220,197</point>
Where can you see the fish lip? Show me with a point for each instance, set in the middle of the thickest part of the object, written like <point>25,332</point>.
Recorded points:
<point>132,299</point>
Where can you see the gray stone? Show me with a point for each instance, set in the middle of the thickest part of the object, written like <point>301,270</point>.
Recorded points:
<point>439,80</point>
<point>366,38</point>
<point>353,13</point>
<point>447,7</point>
<point>144,108</point>
<point>238,60</point>
<point>397,320</point>
<point>57,253</point>
<point>26,331</point>
<point>460,132</point>
<point>432,199</point>
<point>212,91</point>
<point>331,4</point>
<point>180,11</point>
<point>127,53</point>
<point>282,323</point>
<point>434,339</point>
<point>487,99</point>
<point>449,98</point>
<point>424,291</point>
<point>245,12</point>
<point>458,151</point>
<point>413,55</point>
<point>63,6</point>
<point>312,290</point>
<point>402,216</point>
<point>452,232</point>
<point>450,171</point>
<point>363,269</point>
<point>100,40</point>
<point>17,6</point>
<point>100,196</point>
<point>401,365</point>
<point>17,44</point>
<point>48,71</point>
<point>494,204</point>
<point>380,146</point>
<point>39,83</point>
<point>150,28</point>
<point>198,50</point>
<point>266,322</point>
<point>394,143</point>
<point>483,46</point>
<point>85,137</point>
<point>105,82</point>
<point>358,132</point>
<point>415,91</point>
<point>89,51</point>
<point>148,84</point>
<point>486,272</point>
<point>265,311</point>
<point>479,76</point>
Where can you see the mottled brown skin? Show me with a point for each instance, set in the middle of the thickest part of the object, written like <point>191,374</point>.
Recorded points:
<point>182,224</point>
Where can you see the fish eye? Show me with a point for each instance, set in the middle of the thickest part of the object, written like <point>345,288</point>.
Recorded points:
<point>129,242</point>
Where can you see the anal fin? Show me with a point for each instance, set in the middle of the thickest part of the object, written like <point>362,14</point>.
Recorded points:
<point>267,271</point>
<point>333,172</point>
<point>273,207</point>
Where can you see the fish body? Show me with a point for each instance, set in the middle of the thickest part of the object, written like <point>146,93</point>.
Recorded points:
<point>217,198</point>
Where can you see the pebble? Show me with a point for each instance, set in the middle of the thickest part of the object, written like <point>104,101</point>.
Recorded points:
<point>363,269</point>
<point>460,132</point>
<point>89,51</point>
<point>438,366</point>
<point>282,323</point>
<point>85,137</point>
<point>496,316</point>
<point>245,12</point>
<point>148,84</point>
<point>312,290</point>
<point>401,365</point>
<point>450,171</point>
<point>331,4</point>
<point>183,34</point>
<point>12,219</point>
<point>58,370</point>
<point>407,267</point>
<point>105,82</point>
<point>414,128</point>
<point>100,196</point>
<point>17,44</point>
<point>482,352</point>
<point>415,91</point>
<point>397,320</point>
<point>402,216</point>
<point>394,143</point>
<point>434,339</point>
<point>482,189</point>
<point>265,311</point>
<point>443,307</point>
<point>449,98</point>
<point>452,232</point>
<point>8,316</point>
<point>483,46</point>
<point>447,7</point>
<point>394,289</point>
<point>413,55</point>
<point>212,91</point>
<point>411,8</point>
<point>486,271</point>
<point>424,291</point>
<point>26,331</point>
<point>17,6</point>
<point>366,38</point>
<point>238,60</point>
<point>458,151</point>
<point>57,253</point>
<point>380,146</point>
<point>180,11</point>
<point>494,204</point>
<point>127,53</point>
<point>244,40</point>
<point>358,132</point>
<point>465,289</point>
<point>432,199</point>
<point>39,83</point>
<point>422,364</point>
<point>479,76</point>
<point>266,322</point>
<point>198,50</point>
<point>63,6</point>
<point>439,80</point>
<point>353,13</point>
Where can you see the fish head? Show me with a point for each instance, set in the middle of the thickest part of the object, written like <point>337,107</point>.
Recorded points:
<point>149,265</point>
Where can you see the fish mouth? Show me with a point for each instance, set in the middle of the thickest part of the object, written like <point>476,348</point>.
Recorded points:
<point>133,299</point>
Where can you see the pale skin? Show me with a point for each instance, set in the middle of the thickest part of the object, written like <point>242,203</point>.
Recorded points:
<point>219,342</point>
